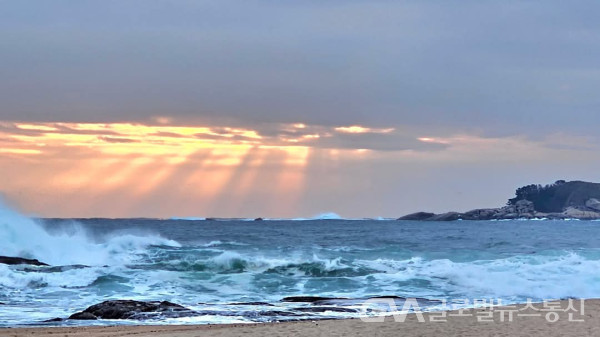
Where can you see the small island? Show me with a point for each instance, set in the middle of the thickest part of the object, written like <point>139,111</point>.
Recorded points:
<point>560,200</point>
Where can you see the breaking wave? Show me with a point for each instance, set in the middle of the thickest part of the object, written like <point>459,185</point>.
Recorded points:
<point>237,261</point>
<point>25,237</point>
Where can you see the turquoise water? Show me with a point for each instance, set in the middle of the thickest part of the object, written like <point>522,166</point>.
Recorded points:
<point>239,271</point>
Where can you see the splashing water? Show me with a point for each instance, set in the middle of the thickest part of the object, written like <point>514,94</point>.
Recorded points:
<point>238,271</point>
<point>25,237</point>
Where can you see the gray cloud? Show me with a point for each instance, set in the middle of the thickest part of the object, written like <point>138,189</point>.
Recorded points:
<point>374,141</point>
<point>503,68</point>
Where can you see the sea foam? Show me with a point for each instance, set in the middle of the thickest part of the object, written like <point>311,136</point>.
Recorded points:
<point>25,237</point>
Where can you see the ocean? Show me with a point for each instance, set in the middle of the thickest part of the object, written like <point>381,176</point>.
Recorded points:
<point>239,271</point>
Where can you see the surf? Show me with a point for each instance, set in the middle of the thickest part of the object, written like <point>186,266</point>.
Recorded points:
<point>26,237</point>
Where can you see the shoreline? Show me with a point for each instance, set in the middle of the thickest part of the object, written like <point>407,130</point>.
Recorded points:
<point>535,319</point>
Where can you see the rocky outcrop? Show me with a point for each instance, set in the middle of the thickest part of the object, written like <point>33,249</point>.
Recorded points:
<point>129,309</point>
<point>19,260</point>
<point>417,216</point>
<point>522,209</point>
<point>83,316</point>
<point>593,204</point>
<point>480,214</point>
<point>449,216</point>
<point>581,198</point>
<point>583,214</point>
<point>557,197</point>
<point>52,320</point>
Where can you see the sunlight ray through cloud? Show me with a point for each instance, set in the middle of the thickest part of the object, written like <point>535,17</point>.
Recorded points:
<point>138,160</point>
<point>201,170</point>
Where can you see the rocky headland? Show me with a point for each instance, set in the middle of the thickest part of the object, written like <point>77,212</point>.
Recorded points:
<point>561,200</point>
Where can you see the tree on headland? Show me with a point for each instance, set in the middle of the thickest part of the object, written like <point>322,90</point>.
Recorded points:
<point>556,197</point>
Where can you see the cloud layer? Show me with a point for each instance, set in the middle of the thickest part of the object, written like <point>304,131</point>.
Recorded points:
<point>283,170</point>
<point>506,67</point>
<point>291,108</point>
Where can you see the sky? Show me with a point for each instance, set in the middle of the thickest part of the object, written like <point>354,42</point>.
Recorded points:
<point>137,108</point>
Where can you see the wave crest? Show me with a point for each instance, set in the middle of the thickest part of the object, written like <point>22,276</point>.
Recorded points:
<point>24,237</point>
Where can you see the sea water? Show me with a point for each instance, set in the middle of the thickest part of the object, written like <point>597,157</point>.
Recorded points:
<point>239,270</point>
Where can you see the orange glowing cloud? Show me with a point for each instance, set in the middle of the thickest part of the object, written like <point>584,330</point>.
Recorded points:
<point>362,129</point>
<point>21,151</point>
<point>127,139</point>
<point>128,163</point>
<point>433,140</point>
<point>118,169</point>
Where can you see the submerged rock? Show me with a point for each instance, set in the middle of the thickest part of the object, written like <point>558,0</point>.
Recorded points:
<point>325,309</point>
<point>252,303</point>
<point>129,309</point>
<point>19,260</point>
<point>83,316</point>
<point>308,299</point>
<point>51,320</point>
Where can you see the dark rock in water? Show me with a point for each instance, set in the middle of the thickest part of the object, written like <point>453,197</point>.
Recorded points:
<point>254,314</point>
<point>253,303</point>
<point>258,219</point>
<point>19,260</point>
<point>325,309</point>
<point>307,299</point>
<point>272,313</point>
<point>129,309</point>
<point>57,319</point>
<point>339,302</point>
<point>419,216</point>
<point>389,296</point>
<point>83,316</point>
<point>420,300</point>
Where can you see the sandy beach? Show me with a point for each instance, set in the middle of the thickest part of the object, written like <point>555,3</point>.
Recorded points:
<point>553,319</point>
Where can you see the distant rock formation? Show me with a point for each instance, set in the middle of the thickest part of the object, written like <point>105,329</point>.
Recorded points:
<point>557,197</point>
<point>418,216</point>
<point>561,200</point>
<point>19,260</point>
